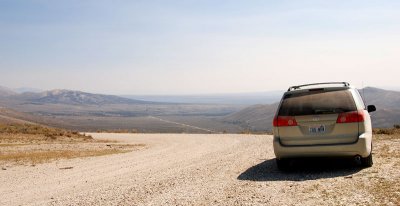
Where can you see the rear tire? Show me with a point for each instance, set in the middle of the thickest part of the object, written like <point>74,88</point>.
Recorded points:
<point>367,161</point>
<point>283,164</point>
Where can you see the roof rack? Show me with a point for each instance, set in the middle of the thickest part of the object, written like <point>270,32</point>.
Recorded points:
<point>345,84</point>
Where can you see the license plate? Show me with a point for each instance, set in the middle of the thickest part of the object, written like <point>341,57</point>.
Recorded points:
<point>317,129</point>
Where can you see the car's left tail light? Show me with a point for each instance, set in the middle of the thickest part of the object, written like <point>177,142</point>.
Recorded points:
<point>284,121</point>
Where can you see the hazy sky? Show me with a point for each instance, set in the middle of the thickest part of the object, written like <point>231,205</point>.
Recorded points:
<point>194,47</point>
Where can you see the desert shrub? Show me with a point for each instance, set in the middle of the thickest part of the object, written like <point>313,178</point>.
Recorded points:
<point>37,130</point>
<point>386,131</point>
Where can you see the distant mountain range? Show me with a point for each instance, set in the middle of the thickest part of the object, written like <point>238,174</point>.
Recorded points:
<point>27,89</point>
<point>4,92</point>
<point>387,103</point>
<point>63,96</point>
<point>381,98</point>
<point>90,112</point>
<point>74,98</point>
<point>67,97</point>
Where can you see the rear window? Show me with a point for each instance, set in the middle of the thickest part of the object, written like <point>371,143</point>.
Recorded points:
<point>317,102</point>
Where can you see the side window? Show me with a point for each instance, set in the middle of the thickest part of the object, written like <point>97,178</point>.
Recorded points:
<point>359,100</point>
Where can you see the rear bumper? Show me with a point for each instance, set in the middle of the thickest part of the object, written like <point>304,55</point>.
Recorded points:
<point>362,147</point>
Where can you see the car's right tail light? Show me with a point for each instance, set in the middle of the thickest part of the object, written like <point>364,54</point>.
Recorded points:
<point>284,121</point>
<point>349,117</point>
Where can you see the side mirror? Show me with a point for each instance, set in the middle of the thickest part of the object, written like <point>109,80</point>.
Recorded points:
<point>371,108</point>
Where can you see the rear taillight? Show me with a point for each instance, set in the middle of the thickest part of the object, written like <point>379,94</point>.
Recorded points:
<point>284,121</point>
<point>349,117</point>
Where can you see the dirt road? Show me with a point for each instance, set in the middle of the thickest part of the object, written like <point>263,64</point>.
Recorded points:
<point>183,169</point>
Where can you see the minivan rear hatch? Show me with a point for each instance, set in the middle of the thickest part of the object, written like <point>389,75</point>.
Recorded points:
<point>318,117</point>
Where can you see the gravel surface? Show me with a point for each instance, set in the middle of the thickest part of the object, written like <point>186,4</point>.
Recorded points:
<point>188,169</point>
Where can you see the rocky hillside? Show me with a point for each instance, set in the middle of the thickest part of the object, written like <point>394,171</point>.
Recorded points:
<point>255,118</point>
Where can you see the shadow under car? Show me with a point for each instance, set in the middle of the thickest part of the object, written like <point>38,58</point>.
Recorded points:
<point>302,169</point>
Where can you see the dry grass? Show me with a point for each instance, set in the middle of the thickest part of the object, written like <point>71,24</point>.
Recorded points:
<point>30,133</point>
<point>385,189</point>
<point>381,137</point>
<point>36,129</point>
<point>36,157</point>
<point>10,133</point>
<point>34,144</point>
<point>387,131</point>
<point>35,154</point>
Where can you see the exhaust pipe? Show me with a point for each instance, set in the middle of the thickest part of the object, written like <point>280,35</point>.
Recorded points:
<point>357,158</point>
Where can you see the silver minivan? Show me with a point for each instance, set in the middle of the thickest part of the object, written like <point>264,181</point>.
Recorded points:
<point>322,120</point>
